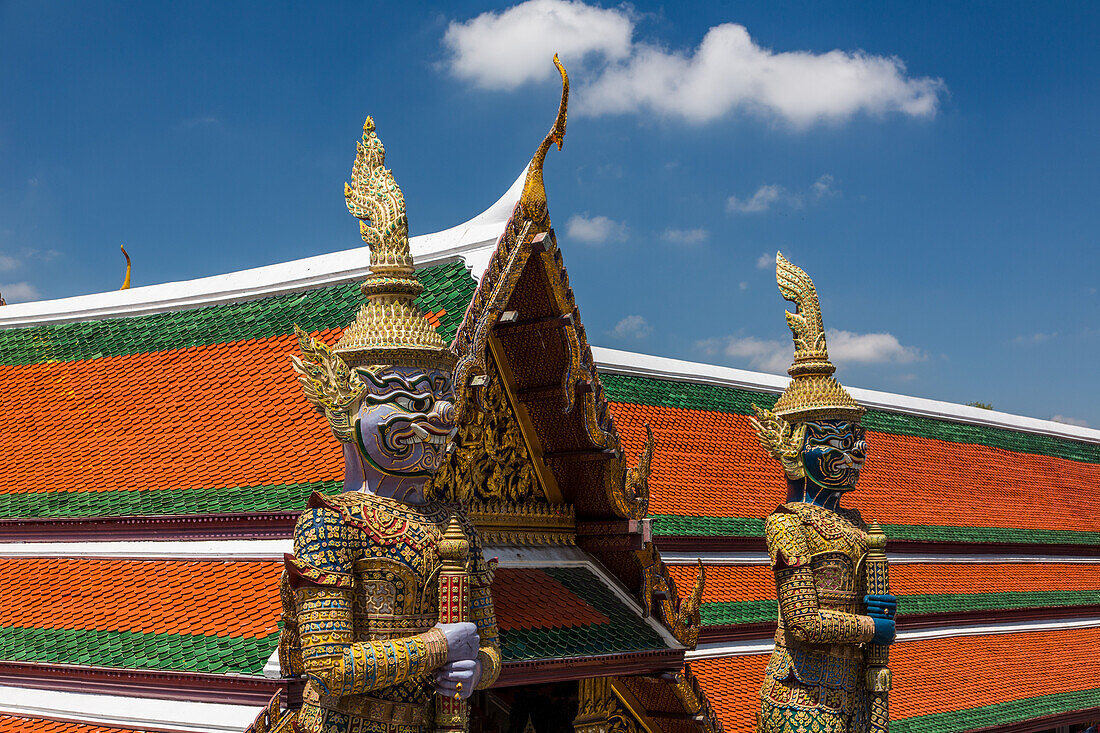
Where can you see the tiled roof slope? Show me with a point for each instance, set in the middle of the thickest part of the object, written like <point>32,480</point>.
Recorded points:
<point>222,616</point>
<point>745,594</point>
<point>924,479</point>
<point>185,412</point>
<point>956,684</point>
<point>25,724</point>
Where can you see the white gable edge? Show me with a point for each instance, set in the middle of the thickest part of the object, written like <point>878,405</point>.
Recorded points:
<point>472,242</point>
<point>614,361</point>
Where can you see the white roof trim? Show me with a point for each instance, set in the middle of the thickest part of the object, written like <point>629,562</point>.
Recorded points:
<point>614,361</point>
<point>154,550</point>
<point>127,712</point>
<point>718,650</point>
<point>472,242</point>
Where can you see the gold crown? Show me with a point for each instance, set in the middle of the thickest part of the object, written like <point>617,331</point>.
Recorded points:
<point>389,328</point>
<point>813,392</point>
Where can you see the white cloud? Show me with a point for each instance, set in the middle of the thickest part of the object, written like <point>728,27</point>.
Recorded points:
<point>632,327</point>
<point>686,236</point>
<point>743,285</point>
<point>845,347</point>
<point>595,229</point>
<point>765,261</point>
<point>770,194</point>
<point>824,187</point>
<point>763,354</point>
<point>1070,421</point>
<point>506,49</point>
<point>727,73</point>
<point>1034,338</point>
<point>8,263</point>
<point>19,292</point>
<point>760,201</point>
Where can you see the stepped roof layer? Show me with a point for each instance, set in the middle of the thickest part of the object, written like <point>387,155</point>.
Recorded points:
<point>25,724</point>
<point>221,617</point>
<point>960,683</point>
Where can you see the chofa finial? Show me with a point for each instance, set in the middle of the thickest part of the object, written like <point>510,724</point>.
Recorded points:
<point>126,282</point>
<point>533,198</point>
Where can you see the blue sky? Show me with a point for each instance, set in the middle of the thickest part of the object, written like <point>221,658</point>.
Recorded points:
<point>932,165</point>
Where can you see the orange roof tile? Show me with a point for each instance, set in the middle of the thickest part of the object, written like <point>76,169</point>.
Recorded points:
<point>934,676</point>
<point>152,596</point>
<point>23,724</point>
<point>527,598</point>
<point>756,582</point>
<point>208,416</point>
<point>710,464</point>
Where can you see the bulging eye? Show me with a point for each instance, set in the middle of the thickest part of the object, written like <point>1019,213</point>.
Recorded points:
<point>404,403</point>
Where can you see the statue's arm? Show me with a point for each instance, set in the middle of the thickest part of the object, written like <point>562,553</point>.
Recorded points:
<point>794,584</point>
<point>484,617</point>
<point>321,572</point>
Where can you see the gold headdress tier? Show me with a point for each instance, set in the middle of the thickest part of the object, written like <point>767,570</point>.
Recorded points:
<point>389,328</point>
<point>813,392</point>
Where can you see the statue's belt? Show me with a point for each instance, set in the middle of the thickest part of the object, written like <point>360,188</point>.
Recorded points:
<point>371,708</point>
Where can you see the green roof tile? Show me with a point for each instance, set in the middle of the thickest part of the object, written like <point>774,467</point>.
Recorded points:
<point>136,650</point>
<point>685,395</point>
<point>676,525</point>
<point>999,714</point>
<point>448,286</point>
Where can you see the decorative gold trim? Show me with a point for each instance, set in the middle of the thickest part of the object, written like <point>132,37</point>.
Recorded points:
<point>695,701</point>
<point>679,615</point>
<point>490,460</point>
<point>533,199</point>
<point>389,328</point>
<point>547,482</point>
<point>529,218</point>
<point>505,523</point>
<point>631,500</point>
<point>634,706</point>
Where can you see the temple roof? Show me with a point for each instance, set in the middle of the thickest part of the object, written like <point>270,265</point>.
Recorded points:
<point>171,411</point>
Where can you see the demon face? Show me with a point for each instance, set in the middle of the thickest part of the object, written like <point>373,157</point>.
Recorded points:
<point>833,453</point>
<point>405,420</point>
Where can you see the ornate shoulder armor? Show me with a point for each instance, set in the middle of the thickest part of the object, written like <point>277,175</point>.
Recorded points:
<point>786,538</point>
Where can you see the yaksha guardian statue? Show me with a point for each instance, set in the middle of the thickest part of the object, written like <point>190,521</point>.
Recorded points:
<point>364,619</point>
<point>827,673</point>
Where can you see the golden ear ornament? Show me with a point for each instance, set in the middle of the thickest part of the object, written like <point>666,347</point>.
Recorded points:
<point>781,440</point>
<point>329,384</point>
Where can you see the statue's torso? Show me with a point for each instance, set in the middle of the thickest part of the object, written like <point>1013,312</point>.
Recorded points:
<point>393,551</point>
<point>836,543</point>
<point>818,683</point>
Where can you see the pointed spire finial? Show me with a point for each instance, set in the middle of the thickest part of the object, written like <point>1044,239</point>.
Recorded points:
<point>126,282</point>
<point>533,198</point>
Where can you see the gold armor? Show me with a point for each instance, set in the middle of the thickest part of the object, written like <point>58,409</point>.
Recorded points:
<point>817,667</point>
<point>365,600</point>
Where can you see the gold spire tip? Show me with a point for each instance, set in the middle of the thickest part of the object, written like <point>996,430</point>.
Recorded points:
<point>126,282</point>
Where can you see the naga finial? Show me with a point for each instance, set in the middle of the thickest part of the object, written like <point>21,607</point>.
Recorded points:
<point>126,282</point>
<point>533,198</point>
<point>374,198</point>
<point>390,328</point>
<point>813,392</point>
<point>805,323</point>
